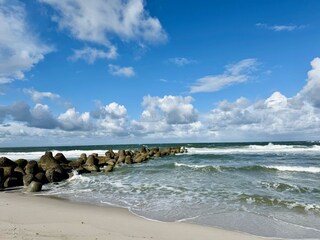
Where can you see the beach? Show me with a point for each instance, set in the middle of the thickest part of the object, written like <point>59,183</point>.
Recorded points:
<point>25,216</point>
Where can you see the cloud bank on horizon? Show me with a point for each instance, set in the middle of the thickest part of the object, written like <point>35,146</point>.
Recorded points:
<point>117,97</point>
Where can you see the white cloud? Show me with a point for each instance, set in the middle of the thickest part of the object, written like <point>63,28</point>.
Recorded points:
<point>279,28</point>
<point>234,73</point>
<point>38,96</point>
<point>97,21</point>
<point>311,91</point>
<point>173,109</point>
<point>121,71</point>
<point>20,49</point>
<point>180,61</point>
<point>75,121</point>
<point>90,54</point>
<point>174,118</point>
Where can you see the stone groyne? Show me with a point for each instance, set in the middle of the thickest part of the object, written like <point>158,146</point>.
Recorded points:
<point>33,174</point>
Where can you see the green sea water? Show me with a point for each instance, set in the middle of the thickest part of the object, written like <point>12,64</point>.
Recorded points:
<point>266,189</point>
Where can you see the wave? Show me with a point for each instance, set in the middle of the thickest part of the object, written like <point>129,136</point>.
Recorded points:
<point>295,169</point>
<point>200,167</point>
<point>248,168</point>
<point>257,149</point>
<point>283,187</point>
<point>271,201</point>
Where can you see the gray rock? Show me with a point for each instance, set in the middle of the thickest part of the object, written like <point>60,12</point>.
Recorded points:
<point>41,177</point>
<point>7,172</point>
<point>83,156</point>
<point>34,186</point>
<point>47,161</point>
<point>21,163</point>
<point>6,162</point>
<point>31,167</point>
<point>12,182</point>
<point>19,170</point>
<point>108,168</point>
<point>77,163</point>
<point>61,158</point>
<point>128,160</point>
<point>1,178</point>
<point>56,174</point>
<point>27,179</point>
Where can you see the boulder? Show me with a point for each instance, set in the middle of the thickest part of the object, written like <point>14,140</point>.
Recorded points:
<point>92,160</point>
<point>143,150</point>
<point>139,158</point>
<point>91,164</point>
<point>101,160</point>
<point>83,156</point>
<point>121,156</point>
<point>61,158</point>
<point>77,163</point>
<point>19,170</point>
<point>6,162</point>
<point>1,178</point>
<point>110,154</point>
<point>7,172</point>
<point>111,162</point>
<point>12,182</point>
<point>91,168</point>
<point>47,161</point>
<point>21,163</point>
<point>34,186</point>
<point>41,177</point>
<point>27,179</point>
<point>128,160</point>
<point>82,170</point>
<point>31,167</point>
<point>56,174</point>
<point>165,151</point>
<point>108,168</point>
<point>18,173</point>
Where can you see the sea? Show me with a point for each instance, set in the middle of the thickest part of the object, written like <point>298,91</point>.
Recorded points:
<point>269,189</point>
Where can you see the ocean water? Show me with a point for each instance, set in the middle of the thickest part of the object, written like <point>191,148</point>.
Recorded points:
<point>266,189</point>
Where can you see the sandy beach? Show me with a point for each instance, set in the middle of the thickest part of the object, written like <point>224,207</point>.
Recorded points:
<point>26,216</point>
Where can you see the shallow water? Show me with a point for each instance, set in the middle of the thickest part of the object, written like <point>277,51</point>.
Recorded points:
<point>261,188</point>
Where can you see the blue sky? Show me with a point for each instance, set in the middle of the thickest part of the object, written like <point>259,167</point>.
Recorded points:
<point>128,71</point>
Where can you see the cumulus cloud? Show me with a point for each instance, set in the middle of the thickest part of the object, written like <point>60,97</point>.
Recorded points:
<point>72,120</point>
<point>311,91</point>
<point>97,21</point>
<point>112,119</point>
<point>121,71</point>
<point>38,96</point>
<point>20,49</point>
<point>235,73</point>
<point>279,28</point>
<point>39,116</point>
<point>174,109</point>
<point>174,118</point>
<point>90,54</point>
<point>180,61</point>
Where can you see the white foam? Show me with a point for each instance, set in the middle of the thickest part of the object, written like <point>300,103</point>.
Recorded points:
<point>196,166</point>
<point>257,149</point>
<point>78,178</point>
<point>296,169</point>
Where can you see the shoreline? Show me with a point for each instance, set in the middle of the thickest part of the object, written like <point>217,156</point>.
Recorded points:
<point>28,216</point>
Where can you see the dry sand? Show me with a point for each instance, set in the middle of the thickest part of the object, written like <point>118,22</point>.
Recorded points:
<point>25,216</point>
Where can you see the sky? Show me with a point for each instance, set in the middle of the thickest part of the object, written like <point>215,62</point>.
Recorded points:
<point>79,72</point>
